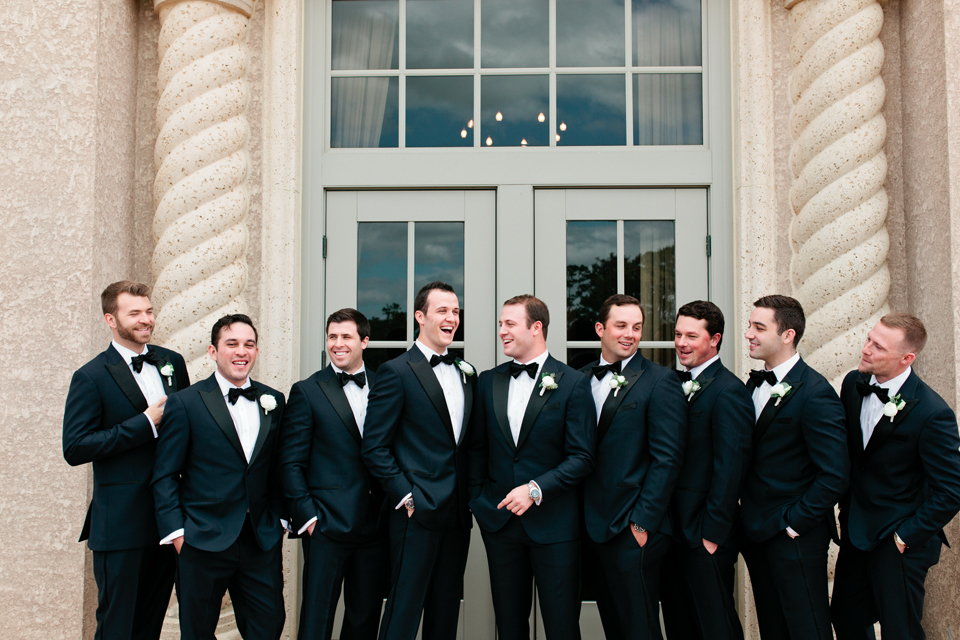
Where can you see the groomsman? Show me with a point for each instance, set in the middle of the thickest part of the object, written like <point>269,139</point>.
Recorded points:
<point>641,433</point>
<point>798,472</point>
<point>905,486</point>
<point>335,503</point>
<point>218,501</point>
<point>532,444</point>
<point>414,443</point>
<point>700,567</point>
<point>113,411</point>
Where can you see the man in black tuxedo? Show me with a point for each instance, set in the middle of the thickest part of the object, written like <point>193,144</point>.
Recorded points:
<point>700,567</point>
<point>113,411</point>
<point>641,433</point>
<point>414,442</point>
<point>218,500</point>
<point>532,444</point>
<point>798,472</point>
<point>335,503</point>
<point>905,486</point>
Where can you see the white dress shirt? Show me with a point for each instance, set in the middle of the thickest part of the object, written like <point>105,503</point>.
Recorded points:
<point>148,379</point>
<point>871,411</point>
<point>518,396</point>
<point>356,396</point>
<point>697,370</point>
<point>601,388</point>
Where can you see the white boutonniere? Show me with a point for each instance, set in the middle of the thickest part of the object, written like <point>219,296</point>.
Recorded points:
<point>466,369</point>
<point>547,382</point>
<point>167,372</point>
<point>268,402</point>
<point>780,391</point>
<point>893,407</point>
<point>616,383</point>
<point>690,387</point>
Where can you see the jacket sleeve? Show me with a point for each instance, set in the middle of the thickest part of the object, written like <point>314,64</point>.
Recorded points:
<point>296,436</point>
<point>384,413</point>
<point>579,442</point>
<point>172,448</point>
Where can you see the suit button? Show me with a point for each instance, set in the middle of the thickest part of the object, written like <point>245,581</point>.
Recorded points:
<point>516,459</point>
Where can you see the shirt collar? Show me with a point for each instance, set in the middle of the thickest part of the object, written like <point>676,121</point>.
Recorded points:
<point>540,359</point>
<point>226,385</point>
<point>783,368</point>
<point>427,351</point>
<point>893,384</point>
<point>697,370</point>
<point>337,369</point>
<point>623,363</point>
<point>127,354</point>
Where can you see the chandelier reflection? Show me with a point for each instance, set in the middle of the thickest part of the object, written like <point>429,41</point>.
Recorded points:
<point>499,116</point>
<point>541,117</point>
<point>489,141</point>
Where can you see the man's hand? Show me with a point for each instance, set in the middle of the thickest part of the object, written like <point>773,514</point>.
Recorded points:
<point>640,537</point>
<point>409,512</point>
<point>900,546</point>
<point>518,500</point>
<point>155,411</point>
<point>177,543</point>
<point>311,527</point>
<point>711,547</point>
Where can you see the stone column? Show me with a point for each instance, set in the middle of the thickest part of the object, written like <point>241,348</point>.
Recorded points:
<point>838,237</point>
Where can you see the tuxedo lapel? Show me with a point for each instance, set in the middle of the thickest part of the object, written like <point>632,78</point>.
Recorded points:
<point>773,407</point>
<point>120,371</point>
<point>331,387</point>
<point>264,431</point>
<point>501,393</point>
<point>537,400</point>
<point>468,382</point>
<point>168,387</point>
<point>428,380</point>
<point>853,406</point>
<point>217,406</point>
<point>886,426</point>
<point>704,383</point>
<point>612,403</point>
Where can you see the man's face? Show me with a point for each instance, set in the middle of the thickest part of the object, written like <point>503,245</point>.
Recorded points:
<point>344,345</point>
<point>693,342</point>
<point>884,354</point>
<point>439,324</point>
<point>620,336</point>
<point>519,341</point>
<point>762,337</point>
<point>235,353</point>
<point>133,323</point>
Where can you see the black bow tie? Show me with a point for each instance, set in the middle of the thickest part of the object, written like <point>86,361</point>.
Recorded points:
<point>865,390</point>
<point>360,378</point>
<point>150,357</point>
<point>447,358</point>
<point>685,376</point>
<point>250,393</point>
<point>516,369</point>
<point>758,377</point>
<point>601,370</point>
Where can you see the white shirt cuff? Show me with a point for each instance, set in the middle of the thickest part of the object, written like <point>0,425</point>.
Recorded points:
<point>307,526</point>
<point>152,426</point>
<point>285,525</point>
<point>173,536</point>
<point>792,533</point>
<point>409,495</point>
<point>540,499</point>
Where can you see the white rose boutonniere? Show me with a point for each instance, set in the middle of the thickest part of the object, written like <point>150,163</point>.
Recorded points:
<point>690,387</point>
<point>616,383</point>
<point>893,407</point>
<point>268,402</point>
<point>466,369</point>
<point>547,382</point>
<point>780,391</point>
<point>167,372</point>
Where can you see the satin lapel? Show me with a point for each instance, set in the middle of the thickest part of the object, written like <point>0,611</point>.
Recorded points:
<point>612,403</point>
<point>120,371</point>
<point>501,394</point>
<point>704,383</point>
<point>771,409</point>
<point>338,400</point>
<point>852,407</point>
<point>265,421</point>
<point>536,402</point>
<point>468,382</point>
<point>424,372</point>
<point>886,426</point>
<point>217,407</point>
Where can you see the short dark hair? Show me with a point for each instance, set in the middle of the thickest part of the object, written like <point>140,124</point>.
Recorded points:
<point>787,313</point>
<point>226,321</point>
<point>617,300</point>
<point>914,333</point>
<point>537,310</point>
<point>420,302</point>
<point>705,310</point>
<point>108,299</point>
<point>351,315</point>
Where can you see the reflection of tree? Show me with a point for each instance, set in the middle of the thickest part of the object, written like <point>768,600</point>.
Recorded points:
<point>389,325</point>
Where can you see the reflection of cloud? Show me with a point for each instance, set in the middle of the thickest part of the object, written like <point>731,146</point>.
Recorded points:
<point>588,241</point>
<point>439,34</point>
<point>515,33</point>
<point>374,293</point>
<point>590,33</point>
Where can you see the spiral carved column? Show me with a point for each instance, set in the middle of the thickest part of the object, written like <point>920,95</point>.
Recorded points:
<point>838,237</point>
<point>200,190</point>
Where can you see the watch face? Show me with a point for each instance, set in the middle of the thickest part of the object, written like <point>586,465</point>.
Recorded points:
<point>534,493</point>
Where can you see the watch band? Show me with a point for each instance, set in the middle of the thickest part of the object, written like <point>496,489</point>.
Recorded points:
<point>638,528</point>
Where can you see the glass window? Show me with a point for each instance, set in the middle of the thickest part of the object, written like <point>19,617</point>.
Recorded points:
<point>514,33</point>
<point>365,34</point>
<point>513,111</point>
<point>667,108</point>
<point>439,34</point>
<point>382,278</point>
<point>666,33</point>
<point>591,273</point>
<point>591,110</point>
<point>650,273</point>
<point>364,112</point>
<point>438,255</point>
<point>439,111</point>
<point>590,33</point>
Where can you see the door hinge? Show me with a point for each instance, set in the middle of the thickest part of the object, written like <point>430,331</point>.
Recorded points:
<point>324,248</point>
<point>709,246</point>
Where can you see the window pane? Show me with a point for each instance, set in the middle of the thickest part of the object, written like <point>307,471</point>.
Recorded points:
<point>592,110</point>
<point>521,102</point>
<point>514,33</point>
<point>591,274</point>
<point>438,255</point>
<point>667,108</point>
<point>650,274</point>
<point>590,33</point>
<point>439,34</point>
<point>365,34</point>
<point>666,33</point>
<point>439,109</point>
<point>664,357</point>
<point>382,278</point>
<point>364,112</point>
<point>578,359</point>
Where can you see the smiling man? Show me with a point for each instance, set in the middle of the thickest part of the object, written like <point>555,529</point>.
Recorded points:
<point>217,495</point>
<point>414,440</point>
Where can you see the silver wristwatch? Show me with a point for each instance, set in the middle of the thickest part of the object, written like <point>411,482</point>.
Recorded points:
<point>408,503</point>
<point>534,492</point>
<point>638,528</point>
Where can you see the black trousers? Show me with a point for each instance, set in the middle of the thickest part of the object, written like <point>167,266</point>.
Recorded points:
<point>595,586</point>
<point>254,578</point>
<point>361,566</point>
<point>133,591</point>
<point>515,561</point>
<point>789,577</point>
<point>881,585</point>
<point>426,577</point>
<point>696,593</point>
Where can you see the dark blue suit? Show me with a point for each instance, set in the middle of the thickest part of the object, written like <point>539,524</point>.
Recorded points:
<point>324,477</point>
<point>906,481</point>
<point>554,449</point>
<point>798,472</point>
<point>409,445</point>
<point>229,509</point>
<point>719,427</point>
<point>104,423</point>
<point>641,436</point>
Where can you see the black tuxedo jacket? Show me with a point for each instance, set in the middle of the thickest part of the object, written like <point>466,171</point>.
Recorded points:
<point>103,423</point>
<point>800,466</point>
<point>908,479</point>
<point>321,470</point>
<point>202,482</point>
<point>554,449</point>
<point>640,440</point>
<point>408,441</point>
<point>719,427</point>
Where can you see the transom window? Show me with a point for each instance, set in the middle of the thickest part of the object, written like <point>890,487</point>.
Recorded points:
<point>515,73</point>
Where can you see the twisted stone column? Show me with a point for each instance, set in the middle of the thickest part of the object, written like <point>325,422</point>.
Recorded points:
<point>200,191</point>
<point>838,236</point>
